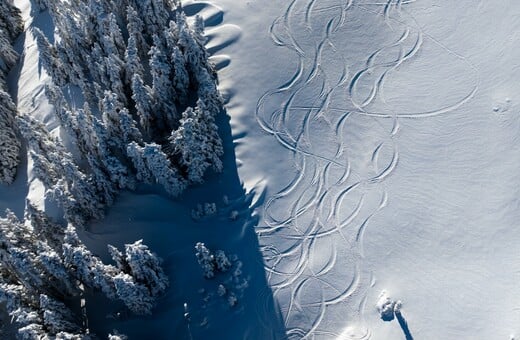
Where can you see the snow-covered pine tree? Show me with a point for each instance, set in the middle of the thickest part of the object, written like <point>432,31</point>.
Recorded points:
<point>9,142</point>
<point>31,260</point>
<point>206,260</point>
<point>137,290</point>
<point>114,67</point>
<point>155,15</point>
<point>113,30</point>
<point>134,295</point>
<point>38,316</point>
<point>133,65</point>
<point>8,55</point>
<point>118,173</point>
<point>142,97</point>
<point>56,168</point>
<point>49,58</point>
<point>10,19</point>
<point>162,87</point>
<point>194,52</point>
<point>151,162</point>
<point>135,28</point>
<point>120,127</point>
<point>136,154</point>
<point>57,318</point>
<point>44,227</point>
<point>145,267</point>
<point>197,143</point>
<point>10,27</point>
<point>181,78</point>
<point>198,30</point>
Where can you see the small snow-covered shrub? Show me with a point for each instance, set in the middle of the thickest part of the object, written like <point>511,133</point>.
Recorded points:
<point>206,260</point>
<point>117,336</point>
<point>233,216</point>
<point>204,210</point>
<point>211,262</point>
<point>221,290</point>
<point>385,307</point>
<point>232,300</point>
<point>222,262</point>
<point>210,209</point>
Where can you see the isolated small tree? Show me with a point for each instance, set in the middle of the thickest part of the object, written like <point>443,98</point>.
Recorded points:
<point>206,260</point>
<point>117,336</point>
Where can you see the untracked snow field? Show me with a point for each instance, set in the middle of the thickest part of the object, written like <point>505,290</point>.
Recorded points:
<point>386,137</point>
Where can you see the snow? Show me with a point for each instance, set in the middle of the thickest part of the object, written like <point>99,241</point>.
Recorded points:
<point>166,226</point>
<point>416,99</point>
<point>376,147</point>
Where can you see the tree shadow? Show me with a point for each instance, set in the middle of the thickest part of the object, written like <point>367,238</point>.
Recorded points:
<point>167,227</point>
<point>404,325</point>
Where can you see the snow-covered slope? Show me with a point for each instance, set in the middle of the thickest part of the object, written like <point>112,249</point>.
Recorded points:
<point>169,226</point>
<point>386,135</point>
<point>377,186</point>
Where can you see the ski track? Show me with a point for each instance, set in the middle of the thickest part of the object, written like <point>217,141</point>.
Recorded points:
<point>329,203</point>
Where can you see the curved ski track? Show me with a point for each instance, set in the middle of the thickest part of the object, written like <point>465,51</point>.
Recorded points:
<point>312,237</point>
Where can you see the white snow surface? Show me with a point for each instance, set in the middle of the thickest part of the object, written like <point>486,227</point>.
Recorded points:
<point>386,136</point>
<point>377,141</point>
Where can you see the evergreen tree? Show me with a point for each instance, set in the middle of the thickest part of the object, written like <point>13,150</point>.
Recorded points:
<point>155,15</point>
<point>10,19</point>
<point>181,78</point>
<point>56,168</point>
<point>162,88</point>
<point>150,161</point>
<point>145,267</point>
<point>142,97</point>
<point>135,29</point>
<point>9,143</point>
<point>133,65</point>
<point>136,154</point>
<point>197,143</point>
<point>10,27</point>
